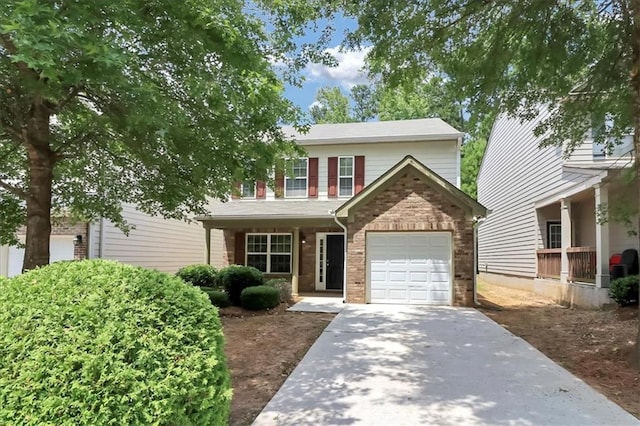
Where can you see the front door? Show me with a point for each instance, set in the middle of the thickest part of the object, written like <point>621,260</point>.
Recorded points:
<point>335,262</point>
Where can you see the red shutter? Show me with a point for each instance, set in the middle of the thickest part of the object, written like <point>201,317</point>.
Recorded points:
<point>359,174</point>
<point>313,177</point>
<point>332,172</point>
<point>261,190</point>
<point>235,193</point>
<point>279,189</point>
<point>238,256</point>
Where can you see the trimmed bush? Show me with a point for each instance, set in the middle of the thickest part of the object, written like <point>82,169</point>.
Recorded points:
<point>199,275</point>
<point>217,297</point>
<point>97,342</point>
<point>236,278</point>
<point>260,297</point>
<point>284,286</point>
<point>625,290</point>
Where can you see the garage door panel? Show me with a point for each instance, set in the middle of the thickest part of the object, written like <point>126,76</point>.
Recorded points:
<point>410,267</point>
<point>60,248</point>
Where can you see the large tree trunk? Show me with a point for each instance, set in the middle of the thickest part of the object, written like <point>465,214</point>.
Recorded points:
<point>634,358</point>
<point>41,160</point>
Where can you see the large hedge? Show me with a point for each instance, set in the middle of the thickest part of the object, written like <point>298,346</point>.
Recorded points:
<point>625,291</point>
<point>97,342</point>
<point>236,278</point>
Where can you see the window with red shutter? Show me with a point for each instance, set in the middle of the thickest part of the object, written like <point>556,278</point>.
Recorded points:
<point>359,173</point>
<point>332,173</point>
<point>261,189</point>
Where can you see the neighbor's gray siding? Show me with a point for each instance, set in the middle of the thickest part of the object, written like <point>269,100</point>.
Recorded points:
<point>156,243</point>
<point>514,174</point>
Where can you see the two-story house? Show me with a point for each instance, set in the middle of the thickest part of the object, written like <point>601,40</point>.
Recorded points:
<point>546,231</point>
<point>373,211</point>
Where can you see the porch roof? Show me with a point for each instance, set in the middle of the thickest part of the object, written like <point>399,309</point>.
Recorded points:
<point>271,213</point>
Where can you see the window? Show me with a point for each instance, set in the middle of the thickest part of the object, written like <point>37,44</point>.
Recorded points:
<point>296,185</point>
<point>345,176</point>
<point>270,253</point>
<point>554,235</point>
<point>248,189</point>
<point>601,125</point>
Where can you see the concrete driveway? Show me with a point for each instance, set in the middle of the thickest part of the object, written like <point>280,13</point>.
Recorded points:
<point>403,365</point>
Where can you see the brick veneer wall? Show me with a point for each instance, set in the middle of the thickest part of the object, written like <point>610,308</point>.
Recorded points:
<point>307,277</point>
<point>410,204</point>
<point>63,226</point>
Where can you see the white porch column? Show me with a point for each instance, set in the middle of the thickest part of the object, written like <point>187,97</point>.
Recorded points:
<point>295,262</point>
<point>207,236</point>
<point>565,224</point>
<point>602,240</point>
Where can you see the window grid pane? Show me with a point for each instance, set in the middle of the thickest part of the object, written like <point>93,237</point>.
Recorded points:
<point>555,236</point>
<point>346,166</point>
<point>346,187</point>
<point>258,261</point>
<point>256,243</point>
<point>280,263</point>
<point>248,189</point>
<point>296,187</point>
<point>281,244</point>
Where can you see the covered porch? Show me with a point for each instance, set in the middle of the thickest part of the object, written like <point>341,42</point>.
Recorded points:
<point>576,238</point>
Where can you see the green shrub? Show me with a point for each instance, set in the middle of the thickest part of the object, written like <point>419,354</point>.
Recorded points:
<point>625,290</point>
<point>284,287</point>
<point>260,297</point>
<point>217,297</point>
<point>236,278</point>
<point>97,342</point>
<point>199,275</point>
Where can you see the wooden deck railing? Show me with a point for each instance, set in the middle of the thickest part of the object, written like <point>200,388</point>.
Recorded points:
<point>582,264</point>
<point>549,263</point>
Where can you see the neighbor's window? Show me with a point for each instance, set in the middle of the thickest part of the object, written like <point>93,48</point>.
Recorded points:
<point>248,189</point>
<point>345,176</point>
<point>554,235</point>
<point>270,253</point>
<point>296,184</point>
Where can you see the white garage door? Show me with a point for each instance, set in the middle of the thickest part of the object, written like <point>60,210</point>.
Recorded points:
<point>409,267</point>
<point>61,248</point>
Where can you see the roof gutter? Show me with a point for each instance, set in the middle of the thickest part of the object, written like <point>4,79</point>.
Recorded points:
<point>344,264</point>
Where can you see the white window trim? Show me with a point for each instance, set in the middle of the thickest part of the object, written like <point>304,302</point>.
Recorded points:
<point>255,191</point>
<point>268,253</point>
<point>353,175</point>
<point>287,178</point>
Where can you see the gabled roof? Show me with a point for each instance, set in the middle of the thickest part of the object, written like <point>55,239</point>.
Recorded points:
<point>425,129</point>
<point>410,163</point>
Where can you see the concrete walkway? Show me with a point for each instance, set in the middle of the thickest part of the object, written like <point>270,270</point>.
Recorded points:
<point>320,304</point>
<point>402,365</point>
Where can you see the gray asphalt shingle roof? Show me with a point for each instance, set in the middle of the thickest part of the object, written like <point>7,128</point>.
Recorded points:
<point>379,131</point>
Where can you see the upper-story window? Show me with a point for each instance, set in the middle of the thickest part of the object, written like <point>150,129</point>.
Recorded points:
<point>345,176</point>
<point>248,189</point>
<point>296,185</point>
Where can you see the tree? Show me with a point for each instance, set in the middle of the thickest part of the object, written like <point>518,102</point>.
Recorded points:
<point>331,106</point>
<point>162,104</point>
<point>576,58</point>
<point>365,102</point>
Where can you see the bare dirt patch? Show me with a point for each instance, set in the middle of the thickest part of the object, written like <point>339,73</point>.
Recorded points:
<point>592,344</point>
<point>262,349</point>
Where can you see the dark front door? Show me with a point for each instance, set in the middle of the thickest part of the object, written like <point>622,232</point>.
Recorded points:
<point>335,262</point>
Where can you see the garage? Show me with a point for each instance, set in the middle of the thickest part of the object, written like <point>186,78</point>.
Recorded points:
<point>61,248</point>
<point>409,267</point>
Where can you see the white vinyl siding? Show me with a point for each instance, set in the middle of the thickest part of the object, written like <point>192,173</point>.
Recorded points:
<point>515,173</point>
<point>155,243</point>
<point>439,156</point>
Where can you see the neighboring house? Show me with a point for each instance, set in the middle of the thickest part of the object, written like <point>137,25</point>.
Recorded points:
<point>156,243</point>
<point>542,232</point>
<point>376,203</point>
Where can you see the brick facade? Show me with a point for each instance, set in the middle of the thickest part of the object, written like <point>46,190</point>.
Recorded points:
<point>307,276</point>
<point>64,226</point>
<point>410,204</point>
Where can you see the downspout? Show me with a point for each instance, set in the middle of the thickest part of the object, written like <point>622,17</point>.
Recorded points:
<point>477,220</point>
<point>101,240</point>
<point>344,264</point>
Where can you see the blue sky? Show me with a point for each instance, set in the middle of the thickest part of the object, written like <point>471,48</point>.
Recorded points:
<point>345,75</point>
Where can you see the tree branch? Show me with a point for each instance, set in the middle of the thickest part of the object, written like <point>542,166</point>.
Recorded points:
<point>73,92</point>
<point>8,44</point>
<point>14,190</point>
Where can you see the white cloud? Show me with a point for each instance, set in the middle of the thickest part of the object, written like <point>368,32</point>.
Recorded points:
<point>347,73</point>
